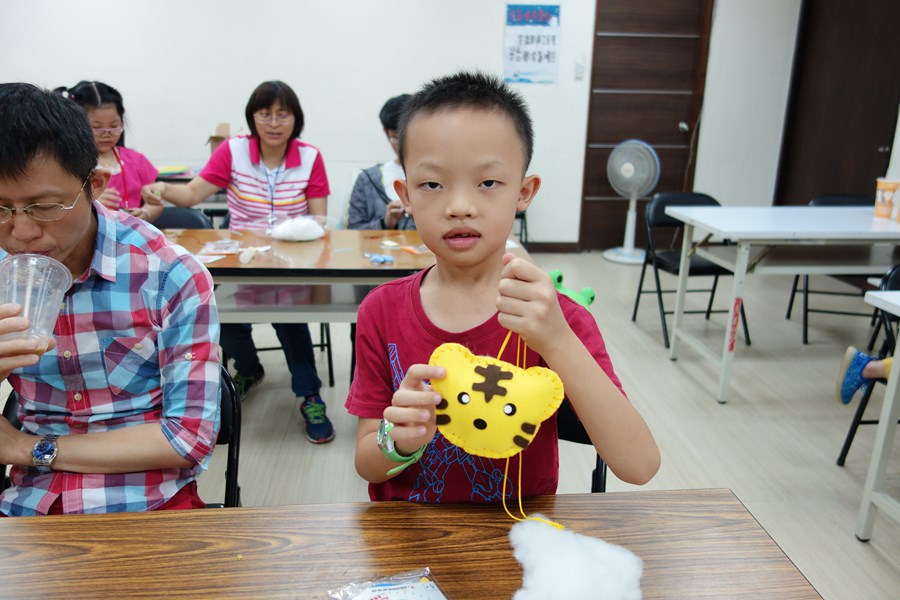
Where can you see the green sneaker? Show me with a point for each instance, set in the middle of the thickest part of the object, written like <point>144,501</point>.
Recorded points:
<point>243,384</point>
<point>318,428</point>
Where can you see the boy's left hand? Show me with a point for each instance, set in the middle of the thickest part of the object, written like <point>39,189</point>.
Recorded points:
<point>528,304</point>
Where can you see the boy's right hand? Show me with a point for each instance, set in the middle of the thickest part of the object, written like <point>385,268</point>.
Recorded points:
<point>17,352</point>
<point>412,408</point>
<point>152,193</point>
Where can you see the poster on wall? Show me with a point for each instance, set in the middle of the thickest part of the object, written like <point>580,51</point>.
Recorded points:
<point>531,50</point>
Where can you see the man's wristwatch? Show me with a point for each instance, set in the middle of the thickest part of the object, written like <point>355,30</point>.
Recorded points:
<point>387,447</point>
<point>44,452</point>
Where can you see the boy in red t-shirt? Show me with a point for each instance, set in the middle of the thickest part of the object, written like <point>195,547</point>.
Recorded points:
<point>465,144</point>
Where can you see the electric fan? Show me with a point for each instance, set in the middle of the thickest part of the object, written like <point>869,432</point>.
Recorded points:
<point>633,171</point>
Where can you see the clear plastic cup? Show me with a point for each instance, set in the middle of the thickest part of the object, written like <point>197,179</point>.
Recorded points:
<point>37,283</point>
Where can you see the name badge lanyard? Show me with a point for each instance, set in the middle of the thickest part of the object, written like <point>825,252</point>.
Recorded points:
<point>272,183</point>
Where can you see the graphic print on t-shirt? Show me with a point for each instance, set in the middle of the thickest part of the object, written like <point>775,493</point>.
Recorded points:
<point>442,461</point>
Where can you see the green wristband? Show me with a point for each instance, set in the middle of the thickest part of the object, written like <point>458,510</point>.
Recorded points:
<point>389,450</point>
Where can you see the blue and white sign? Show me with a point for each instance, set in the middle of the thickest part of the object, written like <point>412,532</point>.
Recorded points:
<point>531,50</point>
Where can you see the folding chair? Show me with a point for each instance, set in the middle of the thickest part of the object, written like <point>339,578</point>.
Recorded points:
<point>890,282</point>
<point>670,260</point>
<point>827,200</point>
<point>569,428</point>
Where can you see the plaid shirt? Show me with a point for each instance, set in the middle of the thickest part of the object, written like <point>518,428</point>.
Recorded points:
<point>136,342</point>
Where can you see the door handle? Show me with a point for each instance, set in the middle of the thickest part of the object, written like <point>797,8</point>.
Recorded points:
<point>683,127</point>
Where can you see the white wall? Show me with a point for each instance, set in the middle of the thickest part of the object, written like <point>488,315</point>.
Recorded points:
<point>893,171</point>
<point>184,66</point>
<point>748,77</point>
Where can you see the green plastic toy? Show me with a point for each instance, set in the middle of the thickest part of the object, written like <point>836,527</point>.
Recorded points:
<point>585,297</point>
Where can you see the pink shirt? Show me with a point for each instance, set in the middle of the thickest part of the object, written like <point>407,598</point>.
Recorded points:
<point>392,333</point>
<point>256,193</point>
<point>135,172</point>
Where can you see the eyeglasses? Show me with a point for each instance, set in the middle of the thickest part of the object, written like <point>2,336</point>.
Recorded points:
<point>42,211</point>
<point>281,118</point>
<point>101,131</point>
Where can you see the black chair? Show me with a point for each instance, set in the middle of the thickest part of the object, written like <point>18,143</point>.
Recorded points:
<point>669,260</point>
<point>523,228</point>
<point>229,435</point>
<point>176,217</point>
<point>827,200</point>
<point>889,322</point>
<point>570,429</point>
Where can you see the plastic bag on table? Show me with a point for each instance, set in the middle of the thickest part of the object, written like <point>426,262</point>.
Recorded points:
<point>412,585</point>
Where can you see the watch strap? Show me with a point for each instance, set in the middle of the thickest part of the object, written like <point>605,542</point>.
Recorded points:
<point>388,449</point>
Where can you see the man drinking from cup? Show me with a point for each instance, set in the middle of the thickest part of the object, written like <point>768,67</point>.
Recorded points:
<point>120,407</point>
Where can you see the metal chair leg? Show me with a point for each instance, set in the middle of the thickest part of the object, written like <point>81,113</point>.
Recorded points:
<point>791,300</point>
<point>637,298</point>
<point>854,425</point>
<point>744,325</point>
<point>662,308</point>
<point>805,308</point>
<point>712,296</point>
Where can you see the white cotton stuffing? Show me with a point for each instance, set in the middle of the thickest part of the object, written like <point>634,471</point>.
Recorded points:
<point>558,563</point>
<point>298,229</point>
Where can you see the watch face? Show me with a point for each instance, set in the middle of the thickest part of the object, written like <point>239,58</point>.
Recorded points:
<point>43,449</point>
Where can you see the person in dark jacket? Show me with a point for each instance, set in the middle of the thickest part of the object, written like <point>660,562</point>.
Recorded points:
<point>373,203</point>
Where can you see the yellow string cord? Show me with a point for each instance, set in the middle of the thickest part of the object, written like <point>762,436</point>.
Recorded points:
<point>521,352</point>
<point>503,346</point>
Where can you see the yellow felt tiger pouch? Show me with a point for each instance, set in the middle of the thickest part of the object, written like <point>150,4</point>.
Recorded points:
<point>489,407</point>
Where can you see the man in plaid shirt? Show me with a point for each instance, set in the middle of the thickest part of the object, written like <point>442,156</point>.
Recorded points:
<point>130,385</point>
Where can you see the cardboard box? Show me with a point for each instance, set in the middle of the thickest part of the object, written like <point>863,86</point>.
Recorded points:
<point>222,133</point>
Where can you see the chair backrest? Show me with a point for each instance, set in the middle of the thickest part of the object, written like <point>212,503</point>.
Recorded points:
<point>10,411</point>
<point>570,429</point>
<point>842,200</point>
<point>890,282</point>
<point>656,209</point>
<point>176,217</point>
<point>229,434</point>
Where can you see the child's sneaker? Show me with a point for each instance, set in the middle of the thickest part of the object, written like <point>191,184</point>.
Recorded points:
<point>850,377</point>
<point>318,428</point>
<point>243,384</point>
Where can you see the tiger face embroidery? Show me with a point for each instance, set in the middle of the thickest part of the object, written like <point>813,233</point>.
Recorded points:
<point>489,407</point>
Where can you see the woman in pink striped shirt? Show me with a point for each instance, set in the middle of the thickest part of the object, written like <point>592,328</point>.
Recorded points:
<point>267,175</point>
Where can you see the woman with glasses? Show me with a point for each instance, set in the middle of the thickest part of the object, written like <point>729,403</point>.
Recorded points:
<point>129,170</point>
<point>268,175</point>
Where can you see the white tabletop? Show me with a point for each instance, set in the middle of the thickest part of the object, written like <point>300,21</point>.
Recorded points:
<point>790,223</point>
<point>886,301</point>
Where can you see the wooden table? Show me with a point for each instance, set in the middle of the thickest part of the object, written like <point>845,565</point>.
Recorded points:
<point>694,544</point>
<point>873,498</point>
<point>777,240</point>
<point>339,257</point>
<point>321,281</point>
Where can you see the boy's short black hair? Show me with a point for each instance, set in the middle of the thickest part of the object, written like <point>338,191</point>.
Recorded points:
<point>268,93</point>
<point>468,89</point>
<point>36,122</point>
<point>390,112</point>
<point>94,94</point>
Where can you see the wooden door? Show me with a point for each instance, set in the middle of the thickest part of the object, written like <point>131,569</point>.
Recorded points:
<point>845,89</point>
<point>647,79</point>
